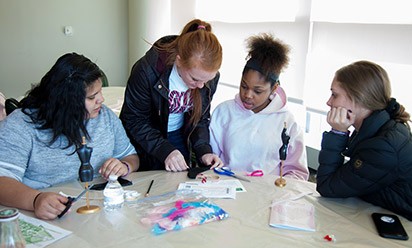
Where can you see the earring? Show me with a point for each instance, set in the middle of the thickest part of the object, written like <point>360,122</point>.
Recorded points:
<point>271,97</point>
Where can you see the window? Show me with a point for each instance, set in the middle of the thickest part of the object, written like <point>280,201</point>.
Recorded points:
<point>324,35</point>
<point>245,11</point>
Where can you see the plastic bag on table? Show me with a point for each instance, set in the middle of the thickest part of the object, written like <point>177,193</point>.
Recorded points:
<point>177,210</point>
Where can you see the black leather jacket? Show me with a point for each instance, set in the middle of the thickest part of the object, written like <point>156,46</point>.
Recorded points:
<point>145,111</point>
<point>379,169</point>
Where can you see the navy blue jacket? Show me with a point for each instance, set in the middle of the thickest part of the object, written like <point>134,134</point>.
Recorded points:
<point>379,169</point>
<point>145,111</point>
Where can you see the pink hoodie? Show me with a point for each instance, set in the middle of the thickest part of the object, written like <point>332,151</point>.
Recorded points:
<point>247,141</point>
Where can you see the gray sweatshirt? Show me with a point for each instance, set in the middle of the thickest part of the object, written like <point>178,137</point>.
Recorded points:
<point>26,156</point>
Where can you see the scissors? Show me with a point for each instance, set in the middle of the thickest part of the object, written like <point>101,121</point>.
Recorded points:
<point>226,171</point>
<point>255,173</point>
<point>72,200</point>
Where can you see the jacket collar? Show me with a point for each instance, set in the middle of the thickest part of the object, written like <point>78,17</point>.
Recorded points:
<point>158,61</point>
<point>370,126</point>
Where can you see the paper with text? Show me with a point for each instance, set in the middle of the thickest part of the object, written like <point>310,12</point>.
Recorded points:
<point>210,190</point>
<point>293,215</point>
<point>38,233</point>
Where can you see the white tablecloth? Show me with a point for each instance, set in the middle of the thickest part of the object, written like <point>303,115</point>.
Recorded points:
<point>348,219</point>
<point>113,98</point>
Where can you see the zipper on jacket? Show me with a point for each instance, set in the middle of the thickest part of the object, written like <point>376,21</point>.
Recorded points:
<point>351,139</point>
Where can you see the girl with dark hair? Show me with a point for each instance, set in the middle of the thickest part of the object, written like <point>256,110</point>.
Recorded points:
<point>378,165</point>
<point>166,109</point>
<point>246,131</point>
<point>39,141</point>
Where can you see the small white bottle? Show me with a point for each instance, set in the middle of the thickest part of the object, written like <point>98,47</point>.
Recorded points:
<point>10,233</point>
<point>113,194</point>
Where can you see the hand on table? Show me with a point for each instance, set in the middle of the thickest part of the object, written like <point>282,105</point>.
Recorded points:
<point>175,162</point>
<point>48,205</point>
<point>113,166</point>
<point>213,160</point>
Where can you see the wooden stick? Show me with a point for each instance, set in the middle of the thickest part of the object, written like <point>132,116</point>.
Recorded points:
<point>281,168</point>
<point>87,196</point>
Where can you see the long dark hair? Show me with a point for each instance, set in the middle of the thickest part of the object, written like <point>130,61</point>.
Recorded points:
<point>58,101</point>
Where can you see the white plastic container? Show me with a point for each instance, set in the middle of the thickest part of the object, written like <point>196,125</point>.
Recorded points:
<point>113,194</point>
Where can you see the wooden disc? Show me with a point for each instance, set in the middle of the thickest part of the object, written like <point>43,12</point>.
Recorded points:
<point>280,182</point>
<point>88,209</point>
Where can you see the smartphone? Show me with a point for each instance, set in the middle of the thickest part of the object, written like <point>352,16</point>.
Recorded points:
<point>192,172</point>
<point>121,180</point>
<point>389,226</point>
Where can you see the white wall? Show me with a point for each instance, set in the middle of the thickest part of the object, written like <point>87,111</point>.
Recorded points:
<point>233,36</point>
<point>113,34</point>
<point>338,39</point>
<point>148,21</point>
<point>233,32</point>
<point>337,44</point>
<point>32,39</point>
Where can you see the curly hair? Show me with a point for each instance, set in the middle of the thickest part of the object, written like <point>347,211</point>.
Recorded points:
<point>58,101</point>
<point>269,54</point>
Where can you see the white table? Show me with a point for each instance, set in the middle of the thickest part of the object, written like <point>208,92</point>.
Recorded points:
<point>247,226</point>
<point>114,97</point>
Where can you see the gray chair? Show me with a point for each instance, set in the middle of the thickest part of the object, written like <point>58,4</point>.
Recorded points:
<point>11,104</point>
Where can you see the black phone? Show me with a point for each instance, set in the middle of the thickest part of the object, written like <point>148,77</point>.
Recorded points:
<point>389,226</point>
<point>192,172</point>
<point>121,180</point>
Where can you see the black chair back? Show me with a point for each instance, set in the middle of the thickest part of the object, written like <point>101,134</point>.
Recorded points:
<point>11,104</point>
